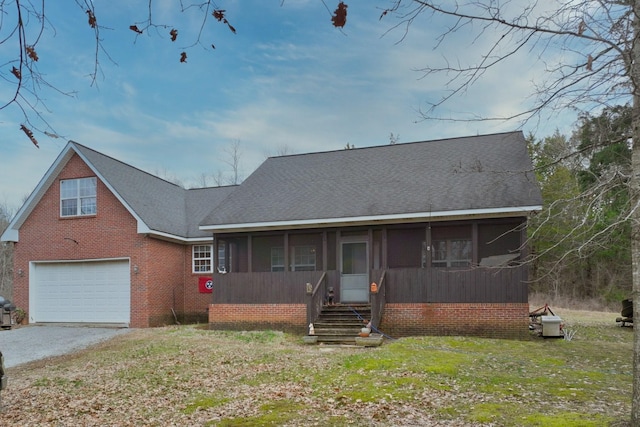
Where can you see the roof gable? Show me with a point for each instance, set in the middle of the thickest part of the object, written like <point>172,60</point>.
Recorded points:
<point>160,208</point>
<point>487,172</point>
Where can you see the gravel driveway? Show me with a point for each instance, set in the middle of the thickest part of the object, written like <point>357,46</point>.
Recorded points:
<point>28,343</point>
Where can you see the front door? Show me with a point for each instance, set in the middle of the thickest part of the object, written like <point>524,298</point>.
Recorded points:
<point>354,272</point>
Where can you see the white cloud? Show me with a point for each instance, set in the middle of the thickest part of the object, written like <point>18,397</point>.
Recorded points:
<point>286,79</point>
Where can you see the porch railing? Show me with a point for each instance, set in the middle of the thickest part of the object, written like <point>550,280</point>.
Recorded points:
<point>457,285</point>
<point>315,298</point>
<point>262,287</point>
<point>378,300</point>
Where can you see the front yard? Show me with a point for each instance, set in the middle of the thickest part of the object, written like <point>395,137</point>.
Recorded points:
<point>185,375</point>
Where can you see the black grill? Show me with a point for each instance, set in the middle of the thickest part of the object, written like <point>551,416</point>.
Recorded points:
<point>7,308</point>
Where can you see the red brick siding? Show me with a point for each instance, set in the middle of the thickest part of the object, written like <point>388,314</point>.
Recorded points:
<point>488,320</point>
<point>290,317</point>
<point>111,233</point>
<point>164,280</point>
<point>196,304</point>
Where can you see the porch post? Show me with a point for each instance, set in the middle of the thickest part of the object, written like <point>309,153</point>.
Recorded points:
<point>338,251</point>
<point>249,254</point>
<point>524,253</point>
<point>370,248</point>
<point>385,261</point>
<point>227,255</point>
<point>429,246</point>
<point>324,251</point>
<point>214,248</point>
<point>474,243</point>
<point>286,251</point>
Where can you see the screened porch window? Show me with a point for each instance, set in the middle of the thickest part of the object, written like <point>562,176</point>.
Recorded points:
<point>303,258</point>
<point>225,260</point>
<point>451,253</point>
<point>277,259</point>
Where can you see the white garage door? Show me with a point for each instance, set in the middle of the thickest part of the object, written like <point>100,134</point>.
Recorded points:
<point>80,292</point>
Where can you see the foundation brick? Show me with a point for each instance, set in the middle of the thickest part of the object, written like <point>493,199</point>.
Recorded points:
<point>487,320</point>
<point>286,317</point>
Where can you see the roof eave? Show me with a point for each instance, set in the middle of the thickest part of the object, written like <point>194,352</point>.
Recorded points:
<point>175,238</point>
<point>10,235</point>
<point>374,219</point>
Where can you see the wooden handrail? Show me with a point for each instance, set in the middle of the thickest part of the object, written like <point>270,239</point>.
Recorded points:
<point>378,301</point>
<point>315,299</point>
<point>317,286</point>
<point>382,276</point>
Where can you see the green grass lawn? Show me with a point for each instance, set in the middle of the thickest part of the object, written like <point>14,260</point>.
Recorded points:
<point>191,376</point>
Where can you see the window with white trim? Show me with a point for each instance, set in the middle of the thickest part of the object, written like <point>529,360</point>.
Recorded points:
<point>202,258</point>
<point>78,197</point>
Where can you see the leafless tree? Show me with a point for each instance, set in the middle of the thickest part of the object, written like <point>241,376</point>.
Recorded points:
<point>219,178</point>
<point>24,24</point>
<point>284,150</point>
<point>169,176</point>
<point>234,154</point>
<point>591,59</point>
<point>202,181</point>
<point>6,255</point>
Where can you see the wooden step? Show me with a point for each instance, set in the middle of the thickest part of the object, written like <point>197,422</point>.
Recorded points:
<point>340,324</point>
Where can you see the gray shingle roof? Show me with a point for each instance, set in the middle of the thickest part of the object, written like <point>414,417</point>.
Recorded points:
<point>470,173</point>
<point>163,206</point>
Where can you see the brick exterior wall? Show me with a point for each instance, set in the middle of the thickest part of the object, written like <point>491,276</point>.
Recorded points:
<point>487,320</point>
<point>285,317</point>
<point>196,304</point>
<point>160,283</point>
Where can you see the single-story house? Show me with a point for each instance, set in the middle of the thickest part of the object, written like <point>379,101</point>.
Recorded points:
<point>438,226</point>
<point>430,234</point>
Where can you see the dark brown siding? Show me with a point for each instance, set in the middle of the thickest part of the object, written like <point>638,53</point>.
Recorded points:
<point>478,285</point>
<point>331,251</point>
<point>498,239</point>
<point>265,288</point>
<point>405,247</point>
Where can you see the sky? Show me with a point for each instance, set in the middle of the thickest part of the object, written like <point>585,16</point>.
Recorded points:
<point>287,82</point>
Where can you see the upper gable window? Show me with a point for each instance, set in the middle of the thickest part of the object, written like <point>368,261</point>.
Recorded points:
<point>78,197</point>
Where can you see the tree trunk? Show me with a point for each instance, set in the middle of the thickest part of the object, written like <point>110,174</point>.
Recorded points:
<point>635,218</point>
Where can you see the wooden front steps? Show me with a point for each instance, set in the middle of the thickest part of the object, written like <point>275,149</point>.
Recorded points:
<point>340,324</point>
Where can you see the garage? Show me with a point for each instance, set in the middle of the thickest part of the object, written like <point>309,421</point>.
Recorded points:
<point>80,292</point>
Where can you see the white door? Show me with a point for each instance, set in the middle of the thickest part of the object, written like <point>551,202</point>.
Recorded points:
<point>354,272</point>
<point>80,292</point>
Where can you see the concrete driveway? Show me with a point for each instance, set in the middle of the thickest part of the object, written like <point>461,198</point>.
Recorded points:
<point>28,343</point>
